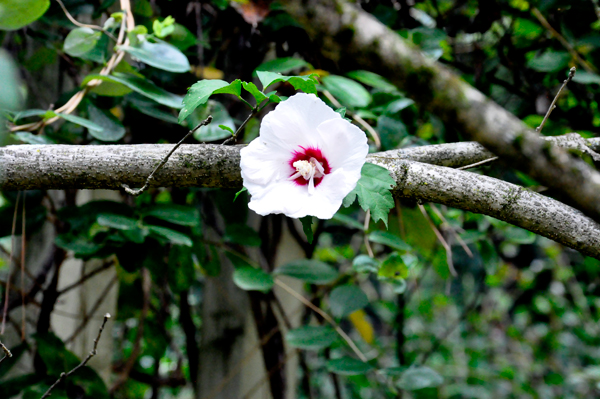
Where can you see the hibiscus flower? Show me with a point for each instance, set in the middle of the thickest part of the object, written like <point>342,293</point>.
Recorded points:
<point>306,159</point>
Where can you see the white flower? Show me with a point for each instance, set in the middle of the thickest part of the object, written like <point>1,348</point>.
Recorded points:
<point>305,161</point>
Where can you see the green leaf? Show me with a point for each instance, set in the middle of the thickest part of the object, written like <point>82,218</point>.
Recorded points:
<point>373,191</point>
<point>239,192</point>
<point>393,267</point>
<point>305,83</point>
<point>80,245</point>
<point>348,221</point>
<point>348,366</point>
<point>220,116</point>
<point>148,107</point>
<point>307,223</point>
<point>253,279</point>
<point>117,221</point>
<point>258,95</point>
<point>77,120</point>
<point>182,215</point>
<point>365,264</point>
<point>350,93</point>
<point>518,235</point>
<point>81,40</point>
<point>372,79</point>
<point>141,85</point>
<point>182,38</point>
<point>419,378</point>
<point>586,78</point>
<point>227,128</point>
<point>15,14</point>
<point>309,270</point>
<point>200,91</point>
<point>161,55</point>
<point>550,61</point>
<point>346,299</point>
<point>163,28</point>
<point>172,236</point>
<point>31,138</point>
<point>389,239</point>
<point>311,337</point>
<point>282,65</point>
<point>111,127</point>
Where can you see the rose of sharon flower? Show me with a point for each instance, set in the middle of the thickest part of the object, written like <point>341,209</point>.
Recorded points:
<point>305,161</point>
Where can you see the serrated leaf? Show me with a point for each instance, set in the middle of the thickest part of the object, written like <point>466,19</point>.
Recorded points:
<point>307,222</point>
<point>346,299</point>
<point>251,88</point>
<point>309,270</point>
<point>253,279</point>
<point>311,337</point>
<point>161,55</point>
<point>373,192</point>
<point>348,366</point>
<point>419,378</point>
<point>305,83</point>
<point>141,85</point>
<point>200,91</point>
<point>349,92</point>
<point>81,40</point>
<point>389,239</point>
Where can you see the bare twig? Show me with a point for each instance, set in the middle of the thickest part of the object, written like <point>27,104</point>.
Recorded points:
<point>563,41</point>
<point>63,376</point>
<point>366,236</point>
<point>325,316</point>
<point>75,22</point>
<point>553,105</point>
<point>460,240</point>
<point>441,240</point>
<point>477,163</point>
<point>23,247</point>
<point>234,137</point>
<point>91,274</point>
<point>12,251</point>
<point>7,352</point>
<point>164,161</point>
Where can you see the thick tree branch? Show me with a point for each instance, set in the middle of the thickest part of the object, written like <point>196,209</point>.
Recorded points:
<point>58,167</point>
<point>355,39</point>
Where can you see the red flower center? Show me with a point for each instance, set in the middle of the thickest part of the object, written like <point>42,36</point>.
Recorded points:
<point>308,154</point>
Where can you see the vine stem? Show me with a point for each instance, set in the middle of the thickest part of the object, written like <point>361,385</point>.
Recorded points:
<point>137,192</point>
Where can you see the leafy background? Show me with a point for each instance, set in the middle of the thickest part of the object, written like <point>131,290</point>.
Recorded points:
<point>519,318</point>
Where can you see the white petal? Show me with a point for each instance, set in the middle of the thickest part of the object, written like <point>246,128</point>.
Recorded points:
<point>293,123</point>
<point>344,144</point>
<point>262,164</point>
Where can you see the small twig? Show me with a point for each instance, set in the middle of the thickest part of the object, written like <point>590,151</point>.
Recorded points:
<point>553,105</point>
<point>7,352</point>
<point>75,22</point>
<point>366,237</point>
<point>441,239</point>
<point>84,278</point>
<point>63,376</point>
<point>477,163</point>
<point>239,129</point>
<point>356,118</point>
<point>165,159</point>
<point>325,316</point>
<point>562,40</point>
<point>23,248</point>
<point>12,251</point>
<point>462,242</point>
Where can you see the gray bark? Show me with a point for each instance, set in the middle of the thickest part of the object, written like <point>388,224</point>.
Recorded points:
<point>354,38</point>
<point>42,167</point>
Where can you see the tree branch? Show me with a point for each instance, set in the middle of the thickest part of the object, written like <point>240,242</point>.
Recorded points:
<point>356,39</point>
